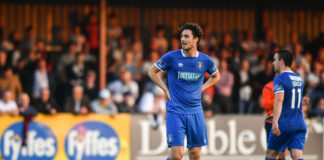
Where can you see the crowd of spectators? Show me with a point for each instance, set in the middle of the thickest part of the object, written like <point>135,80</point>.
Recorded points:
<point>35,74</point>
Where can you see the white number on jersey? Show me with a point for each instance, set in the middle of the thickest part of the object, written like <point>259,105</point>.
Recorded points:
<point>293,98</point>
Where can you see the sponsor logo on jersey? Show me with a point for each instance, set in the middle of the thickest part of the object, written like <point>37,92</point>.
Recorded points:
<point>41,142</point>
<point>189,76</point>
<point>92,140</point>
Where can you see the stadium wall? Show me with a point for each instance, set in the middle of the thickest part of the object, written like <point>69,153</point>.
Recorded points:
<point>131,137</point>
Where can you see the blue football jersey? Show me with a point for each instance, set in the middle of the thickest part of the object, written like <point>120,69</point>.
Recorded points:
<point>291,84</point>
<point>185,79</point>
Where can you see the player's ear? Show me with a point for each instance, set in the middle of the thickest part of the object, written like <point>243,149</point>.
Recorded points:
<point>282,62</point>
<point>196,39</point>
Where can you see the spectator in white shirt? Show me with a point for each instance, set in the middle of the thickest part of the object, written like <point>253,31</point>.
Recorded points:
<point>41,79</point>
<point>7,105</point>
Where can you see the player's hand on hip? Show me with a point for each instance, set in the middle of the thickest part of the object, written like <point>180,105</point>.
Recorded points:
<point>167,93</point>
<point>275,129</point>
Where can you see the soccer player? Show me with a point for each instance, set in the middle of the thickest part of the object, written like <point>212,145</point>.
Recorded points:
<point>185,72</point>
<point>288,125</point>
<point>267,100</point>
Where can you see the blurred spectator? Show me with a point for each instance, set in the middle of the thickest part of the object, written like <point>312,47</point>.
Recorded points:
<point>153,104</point>
<point>25,109</point>
<point>249,46</point>
<point>3,60</point>
<point>29,41</point>
<point>174,43</point>
<point>76,72</point>
<point>319,110</point>
<point>293,41</point>
<point>318,92</point>
<point>129,64</point>
<point>89,59</point>
<point>78,38</point>
<point>92,33</point>
<point>7,105</point>
<point>10,81</point>
<point>128,103</point>
<point>233,61</point>
<point>224,88</point>
<point>268,43</point>
<point>78,103</point>
<point>46,104</point>
<point>28,112</point>
<point>244,88</point>
<point>41,50</point>
<point>104,104</point>
<point>114,31</point>
<point>90,87</point>
<point>41,79</point>
<point>137,54</point>
<point>154,56</point>
<point>123,84</point>
<point>208,40</point>
<point>11,43</point>
<point>161,40</point>
<point>66,60</point>
<point>227,43</point>
<point>313,78</point>
<point>137,47</point>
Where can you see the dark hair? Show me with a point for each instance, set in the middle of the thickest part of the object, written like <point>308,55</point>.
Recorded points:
<point>195,28</point>
<point>286,56</point>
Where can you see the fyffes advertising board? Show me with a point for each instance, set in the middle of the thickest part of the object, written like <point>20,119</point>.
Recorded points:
<point>42,143</point>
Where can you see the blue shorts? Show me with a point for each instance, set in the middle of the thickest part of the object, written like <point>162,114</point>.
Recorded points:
<point>292,139</point>
<point>192,125</point>
<point>268,127</point>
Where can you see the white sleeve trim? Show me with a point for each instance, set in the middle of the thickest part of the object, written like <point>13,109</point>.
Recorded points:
<point>214,72</point>
<point>158,67</point>
<point>279,91</point>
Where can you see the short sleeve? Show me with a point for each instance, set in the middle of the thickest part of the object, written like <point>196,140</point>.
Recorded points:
<point>211,68</point>
<point>165,62</point>
<point>278,86</point>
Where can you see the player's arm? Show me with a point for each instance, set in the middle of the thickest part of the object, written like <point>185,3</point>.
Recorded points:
<point>153,73</point>
<point>214,79</point>
<point>277,107</point>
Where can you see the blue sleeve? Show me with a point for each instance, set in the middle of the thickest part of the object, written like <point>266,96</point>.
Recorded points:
<point>211,68</point>
<point>278,85</point>
<point>165,62</point>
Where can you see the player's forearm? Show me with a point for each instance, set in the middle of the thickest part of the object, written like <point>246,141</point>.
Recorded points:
<point>211,81</point>
<point>277,107</point>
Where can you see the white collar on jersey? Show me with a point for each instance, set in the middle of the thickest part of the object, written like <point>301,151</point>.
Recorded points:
<point>186,56</point>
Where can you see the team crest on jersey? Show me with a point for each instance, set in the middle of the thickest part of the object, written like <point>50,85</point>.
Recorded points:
<point>180,64</point>
<point>199,65</point>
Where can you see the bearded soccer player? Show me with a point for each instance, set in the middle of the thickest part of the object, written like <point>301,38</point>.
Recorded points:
<point>185,72</point>
<point>288,125</point>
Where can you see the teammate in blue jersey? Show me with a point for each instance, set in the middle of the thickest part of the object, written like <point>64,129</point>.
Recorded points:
<point>288,126</point>
<point>185,72</point>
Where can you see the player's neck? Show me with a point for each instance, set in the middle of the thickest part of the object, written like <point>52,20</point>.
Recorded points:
<point>284,69</point>
<point>191,52</point>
